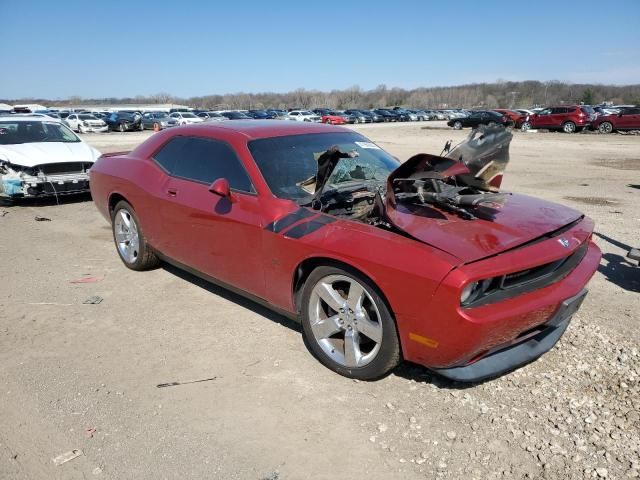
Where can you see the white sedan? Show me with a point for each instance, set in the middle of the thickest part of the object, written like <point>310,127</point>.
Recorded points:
<point>185,118</point>
<point>42,158</point>
<point>303,116</point>
<point>84,122</point>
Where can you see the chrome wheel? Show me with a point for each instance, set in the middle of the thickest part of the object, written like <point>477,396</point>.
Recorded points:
<point>569,127</point>
<point>126,233</point>
<point>525,126</point>
<point>605,127</point>
<point>345,321</point>
<point>457,126</point>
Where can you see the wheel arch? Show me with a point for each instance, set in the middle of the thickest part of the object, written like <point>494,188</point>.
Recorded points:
<point>114,198</point>
<point>308,265</point>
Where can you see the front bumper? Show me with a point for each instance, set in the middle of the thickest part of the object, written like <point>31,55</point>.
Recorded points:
<point>44,186</point>
<point>521,351</point>
<point>92,129</point>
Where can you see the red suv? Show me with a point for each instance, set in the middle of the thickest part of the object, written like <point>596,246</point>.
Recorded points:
<point>568,118</point>
<point>627,119</point>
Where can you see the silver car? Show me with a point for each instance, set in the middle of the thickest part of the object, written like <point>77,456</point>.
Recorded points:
<point>150,119</point>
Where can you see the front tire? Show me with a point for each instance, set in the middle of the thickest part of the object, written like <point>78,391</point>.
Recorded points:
<point>129,239</point>
<point>569,127</point>
<point>346,324</point>
<point>121,128</point>
<point>605,127</point>
<point>457,126</point>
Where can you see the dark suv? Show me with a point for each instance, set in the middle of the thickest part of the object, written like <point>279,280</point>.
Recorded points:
<point>568,118</point>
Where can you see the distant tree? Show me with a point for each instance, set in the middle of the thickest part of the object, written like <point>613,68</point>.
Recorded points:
<point>588,97</point>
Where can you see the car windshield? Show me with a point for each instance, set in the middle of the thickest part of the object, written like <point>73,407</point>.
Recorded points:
<point>188,115</point>
<point>34,132</point>
<point>87,117</point>
<point>287,161</point>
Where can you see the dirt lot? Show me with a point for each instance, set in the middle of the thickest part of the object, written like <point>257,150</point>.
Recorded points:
<point>253,404</point>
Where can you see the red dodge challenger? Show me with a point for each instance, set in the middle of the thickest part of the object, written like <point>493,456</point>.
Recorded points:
<point>426,261</point>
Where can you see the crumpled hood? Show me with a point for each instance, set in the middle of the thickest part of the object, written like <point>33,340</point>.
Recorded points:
<point>454,202</point>
<point>519,220</point>
<point>32,154</point>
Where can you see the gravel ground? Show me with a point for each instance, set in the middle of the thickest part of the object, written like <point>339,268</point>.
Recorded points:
<point>113,379</point>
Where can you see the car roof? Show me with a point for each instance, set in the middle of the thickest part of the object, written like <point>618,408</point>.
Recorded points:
<point>26,118</point>
<point>254,129</point>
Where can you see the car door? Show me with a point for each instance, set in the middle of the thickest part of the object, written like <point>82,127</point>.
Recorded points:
<point>218,236</point>
<point>629,118</point>
<point>473,120</point>
<point>558,117</point>
<point>543,118</point>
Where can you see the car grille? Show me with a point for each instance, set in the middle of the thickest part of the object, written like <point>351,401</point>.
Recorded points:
<point>63,168</point>
<point>525,281</point>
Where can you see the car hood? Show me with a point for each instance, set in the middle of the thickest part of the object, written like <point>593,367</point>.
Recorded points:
<point>32,154</point>
<point>454,203</point>
<point>521,219</point>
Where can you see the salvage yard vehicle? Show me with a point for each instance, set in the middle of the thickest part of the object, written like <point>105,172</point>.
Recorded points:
<point>303,116</point>
<point>159,120</point>
<point>40,158</point>
<point>124,121</point>
<point>84,123</point>
<point>185,118</point>
<point>480,117</point>
<point>516,117</point>
<point>568,118</point>
<point>234,115</point>
<point>425,261</point>
<point>211,117</point>
<point>627,118</point>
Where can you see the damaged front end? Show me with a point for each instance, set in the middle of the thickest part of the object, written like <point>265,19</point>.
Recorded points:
<point>465,183</point>
<point>51,179</point>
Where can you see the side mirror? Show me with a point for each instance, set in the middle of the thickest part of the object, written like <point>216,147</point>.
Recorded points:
<point>221,188</point>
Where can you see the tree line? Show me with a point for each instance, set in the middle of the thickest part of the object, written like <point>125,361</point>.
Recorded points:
<point>500,94</point>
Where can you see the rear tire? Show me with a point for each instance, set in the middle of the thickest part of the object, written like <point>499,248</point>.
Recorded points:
<point>129,239</point>
<point>121,128</point>
<point>367,326</point>
<point>605,127</point>
<point>569,127</point>
<point>457,125</point>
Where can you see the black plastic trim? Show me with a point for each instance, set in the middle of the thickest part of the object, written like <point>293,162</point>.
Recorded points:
<point>306,228</point>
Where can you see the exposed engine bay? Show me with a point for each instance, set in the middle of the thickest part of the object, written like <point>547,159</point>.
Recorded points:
<point>465,182</point>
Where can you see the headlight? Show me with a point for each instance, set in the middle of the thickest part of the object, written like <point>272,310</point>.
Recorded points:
<point>474,290</point>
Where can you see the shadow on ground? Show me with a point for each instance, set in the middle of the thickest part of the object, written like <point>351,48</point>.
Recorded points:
<point>46,201</point>
<point>232,297</point>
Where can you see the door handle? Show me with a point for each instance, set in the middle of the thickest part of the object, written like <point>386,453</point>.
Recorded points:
<point>172,192</point>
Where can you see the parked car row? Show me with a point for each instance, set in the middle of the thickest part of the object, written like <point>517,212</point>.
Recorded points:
<point>565,118</point>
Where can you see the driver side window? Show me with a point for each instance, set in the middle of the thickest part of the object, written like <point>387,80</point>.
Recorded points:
<point>203,160</point>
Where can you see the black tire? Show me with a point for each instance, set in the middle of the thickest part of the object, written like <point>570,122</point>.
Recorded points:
<point>121,128</point>
<point>457,125</point>
<point>389,355</point>
<point>141,128</point>
<point>146,258</point>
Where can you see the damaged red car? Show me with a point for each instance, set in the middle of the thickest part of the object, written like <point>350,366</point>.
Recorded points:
<point>425,261</point>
